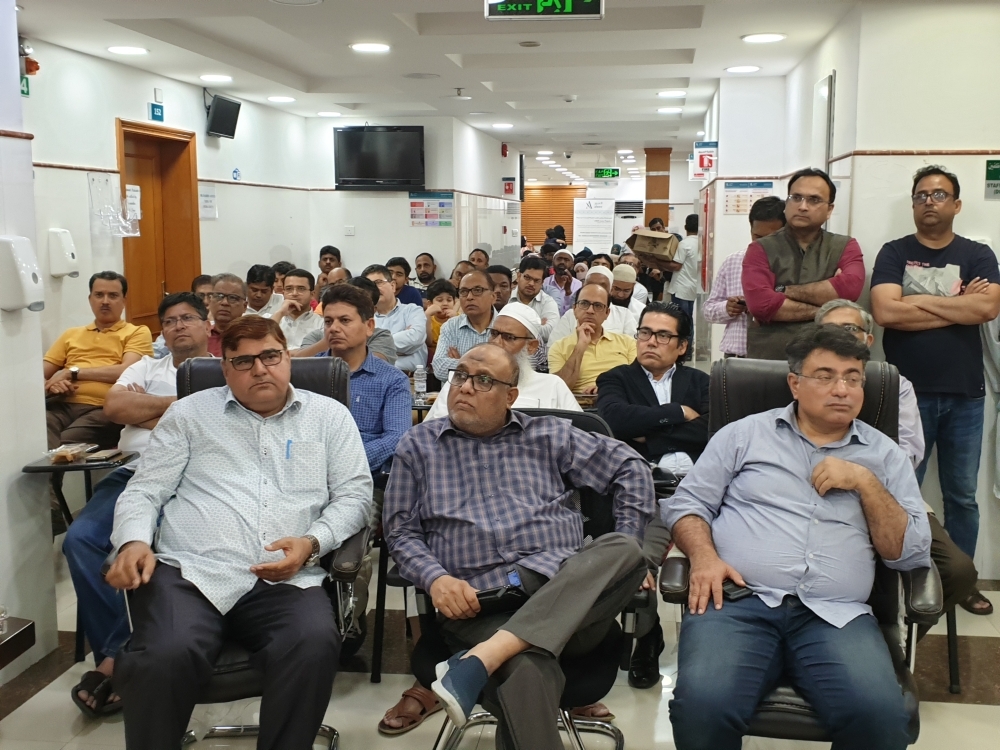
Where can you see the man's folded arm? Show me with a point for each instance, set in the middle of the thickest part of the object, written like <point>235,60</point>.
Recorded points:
<point>627,420</point>
<point>349,482</point>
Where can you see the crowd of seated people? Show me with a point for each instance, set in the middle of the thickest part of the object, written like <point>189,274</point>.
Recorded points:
<point>793,503</point>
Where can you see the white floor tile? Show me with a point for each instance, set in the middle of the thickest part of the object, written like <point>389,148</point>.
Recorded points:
<point>48,716</point>
<point>29,745</point>
<point>970,624</point>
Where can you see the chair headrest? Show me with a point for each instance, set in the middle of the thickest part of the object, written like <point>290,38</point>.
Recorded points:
<point>741,387</point>
<point>328,376</point>
<point>582,420</point>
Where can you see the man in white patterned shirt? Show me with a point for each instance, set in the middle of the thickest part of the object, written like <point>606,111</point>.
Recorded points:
<point>242,487</point>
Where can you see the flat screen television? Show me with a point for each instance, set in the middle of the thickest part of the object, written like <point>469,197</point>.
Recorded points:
<point>222,116</point>
<point>378,157</point>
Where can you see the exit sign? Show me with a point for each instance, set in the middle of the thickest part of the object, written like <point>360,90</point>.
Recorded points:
<point>155,112</point>
<point>604,173</point>
<point>551,10</point>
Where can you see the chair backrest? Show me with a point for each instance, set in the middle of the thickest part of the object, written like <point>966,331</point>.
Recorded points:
<point>741,387</point>
<point>582,420</point>
<point>328,376</point>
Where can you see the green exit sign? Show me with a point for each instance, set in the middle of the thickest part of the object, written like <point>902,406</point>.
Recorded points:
<point>552,10</point>
<point>604,173</point>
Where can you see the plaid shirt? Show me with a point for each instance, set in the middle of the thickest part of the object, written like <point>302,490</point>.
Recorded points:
<point>474,507</point>
<point>728,283</point>
<point>381,406</point>
<point>459,333</point>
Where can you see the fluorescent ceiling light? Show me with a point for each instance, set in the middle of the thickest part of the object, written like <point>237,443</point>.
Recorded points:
<point>328,114</point>
<point>700,132</point>
<point>548,162</point>
<point>672,94</point>
<point>532,179</point>
<point>636,178</point>
<point>670,110</point>
<point>541,158</point>
<point>213,78</point>
<point>743,69</point>
<point>545,153</point>
<point>561,169</point>
<point>556,166</point>
<point>502,126</point>
<point>370,47</point>
<point>281,99</point>
<point>624,151</point>
<point>769,38</point>
<point>128,50</point>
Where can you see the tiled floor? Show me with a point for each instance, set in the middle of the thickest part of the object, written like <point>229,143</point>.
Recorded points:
<point>50,721</point>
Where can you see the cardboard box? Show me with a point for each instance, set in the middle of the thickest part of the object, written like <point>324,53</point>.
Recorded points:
<point>647,242</point>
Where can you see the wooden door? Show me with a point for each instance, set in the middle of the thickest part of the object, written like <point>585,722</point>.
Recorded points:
<point>548,205</point>
<point>144,255</point>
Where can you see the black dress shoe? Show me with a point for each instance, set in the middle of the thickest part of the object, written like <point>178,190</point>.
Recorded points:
<point>644,669</point>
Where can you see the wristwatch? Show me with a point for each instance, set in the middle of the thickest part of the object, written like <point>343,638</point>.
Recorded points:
<point>74,373</point>
<point>313,559</point>
<point>780,288</point>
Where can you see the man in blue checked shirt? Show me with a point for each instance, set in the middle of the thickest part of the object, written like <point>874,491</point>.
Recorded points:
<point>480,501</point>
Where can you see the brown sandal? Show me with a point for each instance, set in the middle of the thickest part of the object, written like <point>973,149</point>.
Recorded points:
<point>970,602</point>
<point>589,712</point>
<point>429,705</point>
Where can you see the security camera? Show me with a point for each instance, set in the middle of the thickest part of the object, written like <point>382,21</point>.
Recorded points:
<point>568,154</point>
<point>569,98</point>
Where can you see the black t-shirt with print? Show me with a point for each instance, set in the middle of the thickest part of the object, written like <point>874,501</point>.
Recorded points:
<point>942,360</point>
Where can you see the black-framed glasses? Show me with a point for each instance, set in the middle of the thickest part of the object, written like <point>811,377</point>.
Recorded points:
<point>852,328</point>
<point>827,379</point>
<point>662,337</point>
<point>810,200</point>
<point>187,320</point>
<point>476,291</point>
<point>234,299</point>
<point>585,305</point>
<point>935,196</point>
<point>481,383</point>
<point>268,358</point>
<point>510,338</point>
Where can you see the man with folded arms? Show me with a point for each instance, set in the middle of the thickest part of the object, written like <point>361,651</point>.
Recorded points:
<point>521,530</point>
<point>243,487</point>
<point>795,503</point>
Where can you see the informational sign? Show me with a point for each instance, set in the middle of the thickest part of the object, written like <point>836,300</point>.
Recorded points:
<point>706,158</point>
<point>552,10</point>
<point>740,196</point>
<point>237,175</point>
<point>155,112</point>
<point>606,173</point>
<point>993,179</point>
<point>432,209</point>
<point>208,209</point>
<point>593,224</point>
<point>690,161</point>
<point>509,183</point>
<point>25,86</point>
<point>133,202</point>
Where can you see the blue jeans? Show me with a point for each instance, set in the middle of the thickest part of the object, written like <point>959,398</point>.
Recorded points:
<point>687,305</point>
<point>729,658</point>
<point>955,423</point>
<point>87,545</point>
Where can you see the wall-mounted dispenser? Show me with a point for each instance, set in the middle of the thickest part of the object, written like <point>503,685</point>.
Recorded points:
<point>20,279</point>
<point>63,260</point>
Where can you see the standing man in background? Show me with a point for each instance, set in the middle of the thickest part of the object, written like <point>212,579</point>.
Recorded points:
<point>261,297</point>
<point>931,291</point>
<point>726,304</point>
<point>329,258</point>
<point>789,275</point>
<point>426,270</point>
<point>686,267</point>
<point>562,284</point>
<point>400,270</point>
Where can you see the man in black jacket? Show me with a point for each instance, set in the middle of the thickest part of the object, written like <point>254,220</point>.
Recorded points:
<point>659,407</point>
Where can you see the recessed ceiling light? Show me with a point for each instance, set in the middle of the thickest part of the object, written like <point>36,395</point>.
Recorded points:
<point>670,110</point>
<point>214,78</point>
<point>555,166</point>
<point>18,8</point>
<point>281,99</point>
<point>370,47</point>
<point>328,114</point>
<point>458,96</point>
<point>545,153</point>
<point>700,132</point>
<point>128,50</point>
<point>472,114</point>
<point>769,38</point>
<point>297,2</point>
<point>530,44</point>
<point>624,151</point>
<point>541,158</point>
<point>532,179</point>
<point>672,94</point>
<point>549,162</point>
<point>502,126</point>
<point>421,76</point>
<point>743,69</point>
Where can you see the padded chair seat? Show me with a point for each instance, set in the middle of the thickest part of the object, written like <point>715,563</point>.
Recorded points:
<point>785,714</point>
<point>233,678</point>
<point>395,578</point>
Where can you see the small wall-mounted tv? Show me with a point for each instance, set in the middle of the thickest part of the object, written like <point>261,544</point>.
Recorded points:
<point>378,157</point>
<point>222,116</point>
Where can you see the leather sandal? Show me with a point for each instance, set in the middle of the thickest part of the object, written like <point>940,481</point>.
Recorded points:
<point>970,602</point>
<point>98,685</point>
<point>411,720</point>
<point>590,712</point>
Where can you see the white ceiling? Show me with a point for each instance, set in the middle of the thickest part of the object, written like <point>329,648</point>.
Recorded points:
<point>610,69</point>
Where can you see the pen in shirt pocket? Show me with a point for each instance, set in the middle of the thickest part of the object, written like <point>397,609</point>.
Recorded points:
<point>288,450</point>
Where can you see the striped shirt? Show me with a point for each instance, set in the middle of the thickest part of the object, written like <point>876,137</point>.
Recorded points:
<point>459,333</point>
<point>728,283</point>
<point>473,507</point>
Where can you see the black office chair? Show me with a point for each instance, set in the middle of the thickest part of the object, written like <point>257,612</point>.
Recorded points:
<point>741,387</point>
<point>233,677</point>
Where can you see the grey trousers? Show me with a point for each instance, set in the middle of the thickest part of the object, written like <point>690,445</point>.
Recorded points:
<point>569,613</point>
<point>654,548</point>
<point>364,576</point>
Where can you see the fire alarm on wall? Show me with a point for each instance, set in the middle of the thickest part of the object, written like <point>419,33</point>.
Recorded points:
<point>503,150</point>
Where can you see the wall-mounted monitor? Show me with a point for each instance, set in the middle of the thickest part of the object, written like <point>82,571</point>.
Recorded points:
<point>222,116</point>
<point>379,157</point>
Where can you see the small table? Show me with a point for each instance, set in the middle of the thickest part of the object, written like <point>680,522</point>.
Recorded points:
<point>422,409</point>
<point>16,637</point>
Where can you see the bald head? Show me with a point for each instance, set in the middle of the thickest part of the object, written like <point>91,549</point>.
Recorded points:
<point>483,412</point>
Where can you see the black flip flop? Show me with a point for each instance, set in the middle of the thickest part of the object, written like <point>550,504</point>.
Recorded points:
<point>99,687</point>
<point>974,598</point>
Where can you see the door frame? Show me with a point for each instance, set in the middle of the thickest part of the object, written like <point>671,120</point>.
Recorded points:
<point>189,153</point>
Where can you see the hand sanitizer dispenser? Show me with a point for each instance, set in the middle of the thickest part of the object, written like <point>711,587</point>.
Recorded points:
<point>62,254</point>
<point>20,280</point>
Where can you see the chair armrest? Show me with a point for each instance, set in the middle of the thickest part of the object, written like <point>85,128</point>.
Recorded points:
<point>674,575</point>
<point>664,482</point>
<point>923,595</point>
<point>344,562</point>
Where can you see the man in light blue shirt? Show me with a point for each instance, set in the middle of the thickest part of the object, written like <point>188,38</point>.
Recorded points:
<point>243,488</point>
<point>406,323</point>
<point>795,503</point>
<point>463,333</point>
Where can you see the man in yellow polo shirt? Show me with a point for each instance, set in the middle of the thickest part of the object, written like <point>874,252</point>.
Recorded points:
<point>590,351</point>
<point>83,364</point>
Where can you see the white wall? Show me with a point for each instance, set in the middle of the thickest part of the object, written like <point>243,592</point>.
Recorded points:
<point>751,126</point>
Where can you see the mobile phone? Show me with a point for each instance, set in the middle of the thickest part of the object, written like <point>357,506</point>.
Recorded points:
<point>503,599</point>
<point>105,455</point>
<point>733,592</point>
<point>742,303</point>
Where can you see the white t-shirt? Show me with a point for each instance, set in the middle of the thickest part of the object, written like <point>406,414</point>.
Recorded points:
<point>539,391</point>
<point>295,329</point>
<point>158,377</point>
<point>686,283</point>
<point>269,309</point>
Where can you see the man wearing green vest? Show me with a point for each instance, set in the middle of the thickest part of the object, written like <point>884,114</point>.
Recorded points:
<point>790,274</point>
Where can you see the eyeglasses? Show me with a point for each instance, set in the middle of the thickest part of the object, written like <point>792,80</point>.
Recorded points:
<point>268,357</point>
<point>476,291</point>
<point>585,305</point>
<point>234,299</point>
<point>481,383</point>
<point>510,338</point>
<point>187,320</point>
<point>662,337</point>
<point>935,196</point>
<point>851,328</point>
<point>381,282</point>
<point>298,289</point>
<point>826,380</point>
<point>810,200</point>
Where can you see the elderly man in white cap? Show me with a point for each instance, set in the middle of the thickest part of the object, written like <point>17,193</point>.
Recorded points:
<point>562,284</point>
<point>620,320</point>
<point>621,291</point>
<point>516,329</point>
